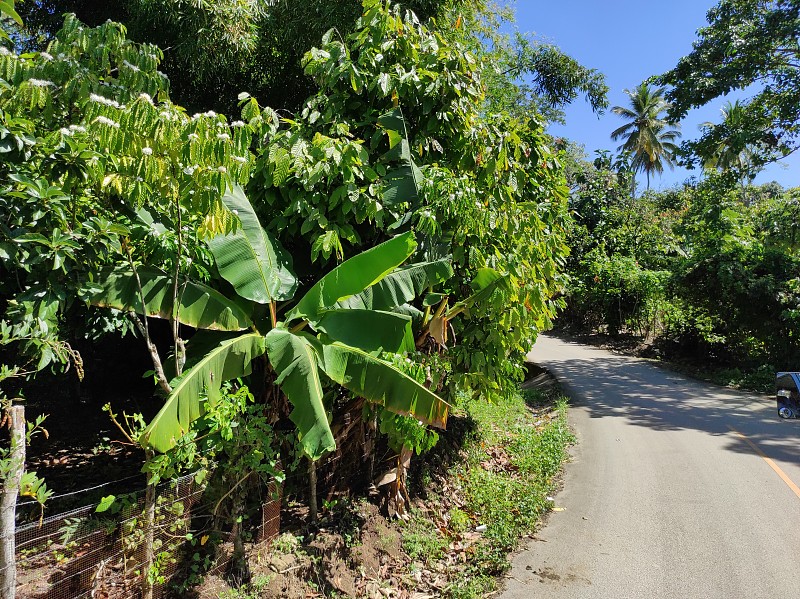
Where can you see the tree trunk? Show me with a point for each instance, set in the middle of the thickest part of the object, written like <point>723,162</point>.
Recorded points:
<point>312,482</point>
<point>148,522</point>
<point>8,502</point>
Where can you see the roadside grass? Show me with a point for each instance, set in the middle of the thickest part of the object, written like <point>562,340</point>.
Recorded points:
<point>497,494</point>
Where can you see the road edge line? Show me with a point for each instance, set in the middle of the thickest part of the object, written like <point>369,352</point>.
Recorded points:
<point>784,477</point>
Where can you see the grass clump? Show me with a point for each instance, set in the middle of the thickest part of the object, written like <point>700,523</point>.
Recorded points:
<point>508,469</point>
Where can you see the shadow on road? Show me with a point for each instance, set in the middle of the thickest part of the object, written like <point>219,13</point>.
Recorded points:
<point>612,386</point>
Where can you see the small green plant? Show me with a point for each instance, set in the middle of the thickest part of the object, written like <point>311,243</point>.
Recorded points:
<point>286,543</point>
<point>422,540</point>
<point>459,520</point>
<point>253,590</point>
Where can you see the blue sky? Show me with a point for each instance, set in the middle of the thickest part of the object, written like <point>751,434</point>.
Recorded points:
<point>628,41</point>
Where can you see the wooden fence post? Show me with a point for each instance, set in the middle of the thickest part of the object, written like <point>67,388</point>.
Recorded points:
<point>8,501</point>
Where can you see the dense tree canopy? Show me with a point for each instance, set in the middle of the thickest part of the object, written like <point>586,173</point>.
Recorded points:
<point>746,43</point>
<point>214,50</point>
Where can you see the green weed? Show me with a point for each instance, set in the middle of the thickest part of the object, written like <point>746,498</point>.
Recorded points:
<point>510,499</point>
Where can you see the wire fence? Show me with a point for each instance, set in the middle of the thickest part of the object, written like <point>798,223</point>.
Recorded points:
<point>86,553</point>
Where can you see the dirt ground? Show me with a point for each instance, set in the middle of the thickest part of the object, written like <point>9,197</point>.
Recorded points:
<point>352,554</point>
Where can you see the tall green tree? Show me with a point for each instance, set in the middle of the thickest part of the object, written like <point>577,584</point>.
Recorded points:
<point>746,42</point>
<point>733,153</point>
<point>649,137</point>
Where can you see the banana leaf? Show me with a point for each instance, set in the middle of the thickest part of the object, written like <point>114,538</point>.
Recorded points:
<point>353,276</point>
<point>200,306</point>
<point>380,382</point>
<point>231,359</point>
<point>400,286</point>
<point>250,259</point>
<point>295,361</point>
<point>401,184</point>
<point>370,330</point>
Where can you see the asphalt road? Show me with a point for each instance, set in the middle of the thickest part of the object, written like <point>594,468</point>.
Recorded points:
<point>667,494</point>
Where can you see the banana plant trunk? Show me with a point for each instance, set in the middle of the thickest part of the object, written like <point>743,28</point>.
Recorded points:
<point>8,502</point>
<point>312,482</point>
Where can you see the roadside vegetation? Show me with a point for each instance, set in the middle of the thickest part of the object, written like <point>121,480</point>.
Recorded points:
<point>311,281</point>
<point>705,274</point>
<point>485,487</point>
<point>316,229</point>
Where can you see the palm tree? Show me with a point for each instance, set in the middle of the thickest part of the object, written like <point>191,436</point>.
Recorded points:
<point>649,137</point>
<point>734,151</point>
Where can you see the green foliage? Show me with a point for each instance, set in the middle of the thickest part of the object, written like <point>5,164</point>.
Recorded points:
<point>30,484</point>
<point>199,306</point>
<point>744,43</point>
<point>7,12</point>
<point>533,77</point>
<point>745,287</point>
<point>648,137</point>
<point>249,259</point>
<point>509,501</point>
<point>295,362</point>
<point>489,185</point>
<point>708,270</point>
<point>732,153</point>
<point>296,356</point>
<point>231,359</point>
<point>615,291</point>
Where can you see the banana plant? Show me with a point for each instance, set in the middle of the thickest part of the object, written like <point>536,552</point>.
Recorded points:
<point>337,330</point>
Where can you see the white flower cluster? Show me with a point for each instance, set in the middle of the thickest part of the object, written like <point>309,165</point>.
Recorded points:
<point>40,82</point>
<point>106,121</point>
<point>4,51</point>
<point>189,170</point>
<point>237,124</point>
<point>223,136</point>
<point>104,100</point>
<point>239,159</point>
<point>46,56</point>
<point>147,151</point>
<point>132,67</point>
<point>77,129</point>
<point>193,136</point>
<point>146,98</point>
<point>222,169</point>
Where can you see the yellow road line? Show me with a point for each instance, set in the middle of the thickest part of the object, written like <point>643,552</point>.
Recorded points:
<point>771,463</point>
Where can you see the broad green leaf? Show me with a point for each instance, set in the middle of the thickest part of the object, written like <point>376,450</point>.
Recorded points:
<point>353,276</point>
<point>431,299</point>
<point>401,286</point>
<point>295,362</point>
<point>486,281</point>
<point>231,359</point>
<point>200,306</point>
<point>105,503</point>
<point>415,314</point>
<point>369,330</point>
<point>7,10</point>
<point>381,383</point>
<point>401,183</point>
<point>250,259</point>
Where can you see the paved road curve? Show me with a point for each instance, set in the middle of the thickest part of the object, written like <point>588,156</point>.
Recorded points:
<point>664,496</point>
